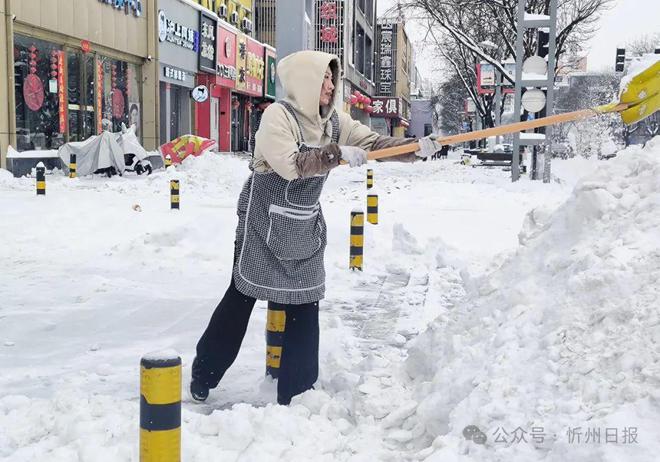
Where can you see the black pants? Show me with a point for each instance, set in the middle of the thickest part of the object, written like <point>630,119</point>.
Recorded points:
<point>220,343</point>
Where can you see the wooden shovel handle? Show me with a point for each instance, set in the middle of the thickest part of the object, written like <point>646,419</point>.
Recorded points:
<point>501,130</point>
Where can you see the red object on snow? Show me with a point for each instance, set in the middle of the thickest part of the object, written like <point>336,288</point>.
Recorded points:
<point>184,146</point>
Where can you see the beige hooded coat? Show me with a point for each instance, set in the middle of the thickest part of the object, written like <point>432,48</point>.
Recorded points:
<point>281,233</point>
<point>301,75</point>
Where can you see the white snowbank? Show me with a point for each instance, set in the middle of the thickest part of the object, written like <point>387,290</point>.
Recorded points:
<point>564,335</point>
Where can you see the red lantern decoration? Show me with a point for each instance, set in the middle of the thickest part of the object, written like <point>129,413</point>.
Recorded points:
<point>354,100</point>
<point>367,100</point>
<point>356,93</point>
<point>369,109</point>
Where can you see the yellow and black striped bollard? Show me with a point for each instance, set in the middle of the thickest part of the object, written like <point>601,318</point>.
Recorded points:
<point>174,194</point>
<point>275,325</point>
<point>357,239</point>
<point>370,178</point>
<point>168,161</point>
<point>41,179</point>
<point>372,208</point>
<point>160,408</point>
<point>72,166</point>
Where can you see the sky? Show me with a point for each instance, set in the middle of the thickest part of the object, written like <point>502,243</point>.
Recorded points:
<point>625,21</point>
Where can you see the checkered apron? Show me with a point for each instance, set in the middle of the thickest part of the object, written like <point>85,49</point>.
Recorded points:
<point>281,234</point>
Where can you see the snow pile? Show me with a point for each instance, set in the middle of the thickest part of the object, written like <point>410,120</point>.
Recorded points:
<point>565,334</point>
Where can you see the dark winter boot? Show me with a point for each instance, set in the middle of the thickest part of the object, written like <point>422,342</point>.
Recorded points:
<point>199,389</point>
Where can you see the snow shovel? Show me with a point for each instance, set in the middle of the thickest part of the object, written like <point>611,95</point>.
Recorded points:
<point>640,99</point>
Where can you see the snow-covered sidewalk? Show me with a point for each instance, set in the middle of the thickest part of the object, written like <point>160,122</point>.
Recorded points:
<point>91,282</point>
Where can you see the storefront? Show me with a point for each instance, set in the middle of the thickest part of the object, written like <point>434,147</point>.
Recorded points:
<point>178,49</point>
<point>213,118</point>
<point>236,90</point>
<point>248,91</point>
<point>70,77</point>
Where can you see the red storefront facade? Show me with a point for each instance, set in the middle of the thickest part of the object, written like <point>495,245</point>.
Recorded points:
<point>214,116</point>
<point>235,89</point>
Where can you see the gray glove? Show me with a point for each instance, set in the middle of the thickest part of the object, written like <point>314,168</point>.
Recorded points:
<point>353,155</point>
<point>427,146</point>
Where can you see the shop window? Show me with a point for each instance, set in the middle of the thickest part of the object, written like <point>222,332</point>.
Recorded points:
<point>118,94</point>
<point>39,86</point>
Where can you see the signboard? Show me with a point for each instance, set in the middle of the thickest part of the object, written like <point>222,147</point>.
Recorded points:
<point>61,97</point>
<point>270,62</point>
<point>328,22</point>
<point>226,52</point>
<point>176,33</point>
<point>386,59</point>
<point>208,27</point>
<point>486,78</point>
<point>177,76</point>
<point>99,95</point>
<point>386,107</point>
<point>254,69</point>
<point>129,6</point>
<point>200,93</point>
<point>241,62</point>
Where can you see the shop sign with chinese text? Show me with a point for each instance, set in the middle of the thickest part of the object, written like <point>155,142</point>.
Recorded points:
<point>386,58</point>
<point>254,68</point>
<point>386,107</point>
<point>226,56</point>
<point>176,33</point>
<point>208,27</point>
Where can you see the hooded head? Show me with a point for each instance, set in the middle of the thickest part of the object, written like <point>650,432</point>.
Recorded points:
<point>302,75</point>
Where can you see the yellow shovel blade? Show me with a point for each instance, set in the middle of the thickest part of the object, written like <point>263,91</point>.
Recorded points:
<point>641,110</point>
<point>643,85</point>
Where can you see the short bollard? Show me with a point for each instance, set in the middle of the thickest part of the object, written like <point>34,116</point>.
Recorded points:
<point>174,194</point>
<point>72,166</point>
<point>275,325</point>
<point>370,178</point>
<point>372,208</point>
<point>357,239</point>
<point>168,161</point>
<point>41,179</point>
<point>160,408</point>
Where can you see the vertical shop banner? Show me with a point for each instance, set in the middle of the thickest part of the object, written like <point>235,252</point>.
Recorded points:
<point>61,91</point>
<point>255,68</point>
<point>226,56</point>
<point>99,95</point>
<point>208,28</point>
<point>270,62</point>
<point>241,62</point>
<point>386,58</point>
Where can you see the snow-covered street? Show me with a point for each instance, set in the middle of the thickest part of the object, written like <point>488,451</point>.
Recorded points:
<point>525,309</point>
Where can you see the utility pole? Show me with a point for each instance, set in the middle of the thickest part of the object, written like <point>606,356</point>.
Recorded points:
<point>529,75</point>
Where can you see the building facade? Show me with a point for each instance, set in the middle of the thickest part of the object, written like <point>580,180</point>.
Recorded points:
<point>65,75</point>
<point>239,73</point>
<point>347,29</point>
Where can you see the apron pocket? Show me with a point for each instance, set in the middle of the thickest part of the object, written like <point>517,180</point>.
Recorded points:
<point>293,234</point>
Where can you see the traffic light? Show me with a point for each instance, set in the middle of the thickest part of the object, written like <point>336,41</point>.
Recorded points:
<point>620,59</point>
<point>543,44</point>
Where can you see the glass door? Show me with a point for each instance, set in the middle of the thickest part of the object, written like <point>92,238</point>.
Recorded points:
<point>81,91</point>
